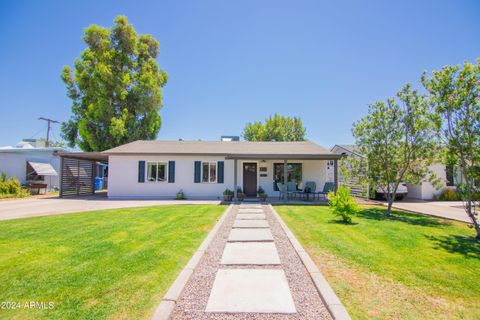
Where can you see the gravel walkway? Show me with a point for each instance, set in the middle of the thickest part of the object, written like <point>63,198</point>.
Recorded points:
<point>193,301</point>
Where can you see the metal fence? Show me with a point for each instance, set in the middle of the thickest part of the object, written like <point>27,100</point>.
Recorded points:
<point>77,177</point>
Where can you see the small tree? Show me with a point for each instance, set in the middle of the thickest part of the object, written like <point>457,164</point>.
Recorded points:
<point>276,128</point>
<point>343,204</point>
<point>398,141</point>
<point>455,94</point>
<point>115,89</point>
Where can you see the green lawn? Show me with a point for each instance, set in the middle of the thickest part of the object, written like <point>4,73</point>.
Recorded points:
<point>405,267</point>
<point>110,264</point>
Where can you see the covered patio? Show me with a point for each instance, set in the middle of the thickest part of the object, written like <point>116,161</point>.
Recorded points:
<point>306,176</point>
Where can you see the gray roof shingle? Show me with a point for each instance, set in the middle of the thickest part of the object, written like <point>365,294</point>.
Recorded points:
<point>229,149</point>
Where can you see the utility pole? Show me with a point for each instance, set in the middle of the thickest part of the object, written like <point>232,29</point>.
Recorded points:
<point>49,121</point>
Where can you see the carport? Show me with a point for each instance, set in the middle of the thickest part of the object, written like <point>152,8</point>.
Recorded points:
<point>78,171</point>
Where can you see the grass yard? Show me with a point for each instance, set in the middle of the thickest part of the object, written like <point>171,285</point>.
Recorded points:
<point>109,264</point>
<point>405,267</point>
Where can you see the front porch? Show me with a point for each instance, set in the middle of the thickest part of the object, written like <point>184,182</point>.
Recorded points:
<point>306,183</point>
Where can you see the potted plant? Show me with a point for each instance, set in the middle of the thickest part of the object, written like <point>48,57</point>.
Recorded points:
<point>262,194</point>
<point>227,195</point>
<point>240,194</point>
<point>180,195</point>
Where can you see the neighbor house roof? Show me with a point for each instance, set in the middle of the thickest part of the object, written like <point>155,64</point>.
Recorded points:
<point>352,148</point>
<point>229,149</point>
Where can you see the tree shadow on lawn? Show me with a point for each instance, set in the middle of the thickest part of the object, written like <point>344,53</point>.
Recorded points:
<point>343,222</point>
<point>464,245</point>
<point>410,218</point>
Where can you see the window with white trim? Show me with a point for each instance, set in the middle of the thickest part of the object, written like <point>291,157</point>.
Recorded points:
<point>209,172</point>
<point>156,172</point>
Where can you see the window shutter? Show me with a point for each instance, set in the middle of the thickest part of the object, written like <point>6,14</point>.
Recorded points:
<point>198,169</point>
<point>220,175</point>
<point>171,171</point>
<point>141,171</point>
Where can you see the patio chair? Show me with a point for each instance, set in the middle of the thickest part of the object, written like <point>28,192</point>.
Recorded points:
<point>310,187</point>
<point>291,188</point>
<point>281,190</point>
<point>326,189</point>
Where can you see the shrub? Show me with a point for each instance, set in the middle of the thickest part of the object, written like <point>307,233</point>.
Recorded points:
<point>11,187</point>
<point>260,190</point>
<point>227,195</point>
<point>180,195</point>
<point>240,194</point>
<point>343,204</point>
<point>449,195</point>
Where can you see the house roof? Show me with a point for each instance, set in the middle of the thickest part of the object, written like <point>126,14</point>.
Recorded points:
<point>229,149</point>
<point>28,150</point>
<point>352,148</point>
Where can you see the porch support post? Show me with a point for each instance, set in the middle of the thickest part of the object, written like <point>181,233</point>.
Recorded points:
<point>235,183</point>
<point>335,175</point>
<point>285,179</point>
<point>60,182</point>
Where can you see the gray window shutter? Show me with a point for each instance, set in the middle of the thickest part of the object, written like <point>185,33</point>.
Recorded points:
<point>171,171</point>
<point>220,174</point>
<point>198,170</point>
<point>141,171</point>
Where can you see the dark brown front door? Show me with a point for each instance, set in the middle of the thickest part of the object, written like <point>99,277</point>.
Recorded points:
<point>250,179</point>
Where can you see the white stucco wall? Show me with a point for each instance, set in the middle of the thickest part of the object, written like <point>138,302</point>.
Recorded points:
<point>425,190</point>
<point>123,177</point>
<point>14,165</point>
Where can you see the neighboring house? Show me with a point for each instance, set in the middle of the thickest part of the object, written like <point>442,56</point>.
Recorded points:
<point>357,188</point>
<point>31,162</point>
<point>204,169</point>
<point>449,176</point>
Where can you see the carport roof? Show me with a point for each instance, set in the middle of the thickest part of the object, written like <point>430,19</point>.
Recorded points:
<point>94,156</point>
<point>229,149</point>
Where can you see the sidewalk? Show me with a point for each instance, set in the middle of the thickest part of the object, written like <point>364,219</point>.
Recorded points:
<point>250,271</point>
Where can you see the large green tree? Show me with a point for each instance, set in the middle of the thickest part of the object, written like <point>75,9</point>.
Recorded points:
<point>398,139</point>
<point>277,128</point>
<point>454,91</point>
<point>116,89</point>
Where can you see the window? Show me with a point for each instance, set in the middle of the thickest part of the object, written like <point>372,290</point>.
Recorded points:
<point>294,172</point>
<point>156,172</point>
<point>209,172</point>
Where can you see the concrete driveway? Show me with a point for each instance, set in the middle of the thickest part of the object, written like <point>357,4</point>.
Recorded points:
<point>445,209</point>
<point>32,207</point>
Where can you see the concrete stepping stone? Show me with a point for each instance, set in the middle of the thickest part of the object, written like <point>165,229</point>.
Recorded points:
<point>256,253</point>
<point>250,211</point>
<point>250,216</point>
<point>246,235</point>
<point>250,290</point>
<point>250,224</point>
<point>250,207</point>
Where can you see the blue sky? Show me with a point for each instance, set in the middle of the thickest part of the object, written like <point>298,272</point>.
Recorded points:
<point>231,62</point>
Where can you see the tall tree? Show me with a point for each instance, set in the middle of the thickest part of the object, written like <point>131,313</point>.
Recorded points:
<point>398,139</point>
<point>276,128</point>
<point>454,92</point>
<point>115,90</point>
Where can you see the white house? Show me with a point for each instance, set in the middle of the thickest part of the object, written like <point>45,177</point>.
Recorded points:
<point>31,162</point>
<point>449,176</point>
<point>204,169</point>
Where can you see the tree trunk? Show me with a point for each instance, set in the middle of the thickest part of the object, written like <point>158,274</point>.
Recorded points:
<point>389,207</point>
<point>471,215</point>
